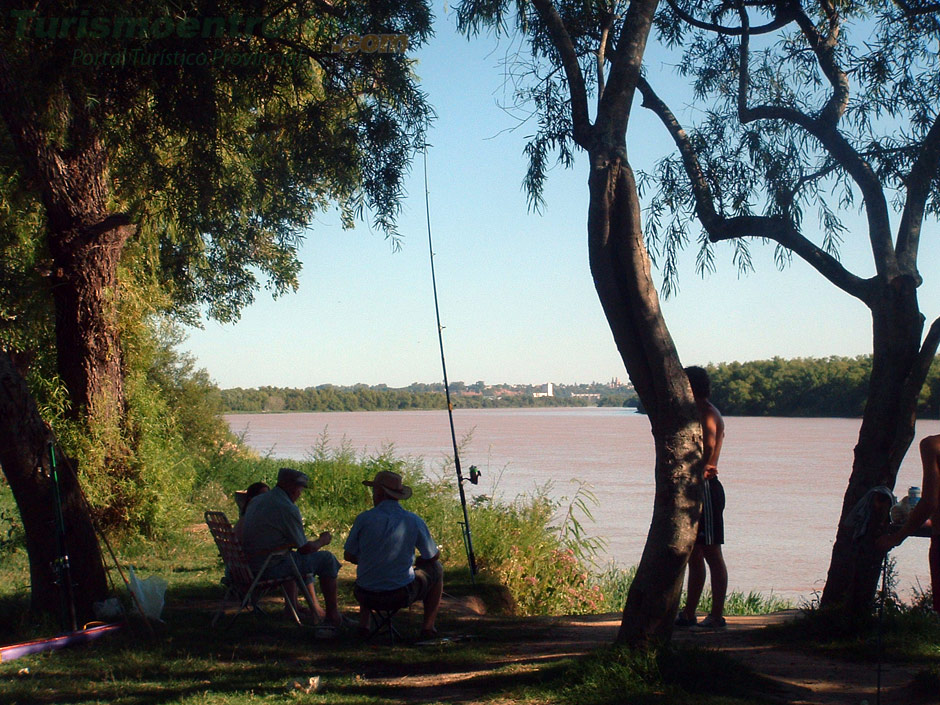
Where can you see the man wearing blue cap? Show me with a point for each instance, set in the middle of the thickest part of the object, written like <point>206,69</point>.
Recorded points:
<point>273,522</point>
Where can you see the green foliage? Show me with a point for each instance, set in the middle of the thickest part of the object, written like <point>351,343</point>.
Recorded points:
<point>11,532</point>
<point>546,567</point>
<point>361,397</point>
<point>892,628</point>
<point>172,422</point>
<point>222,162</point>
<point>821,387</point>
<point>738,603</point>
<point>785,149</point>
<point>833,386</point>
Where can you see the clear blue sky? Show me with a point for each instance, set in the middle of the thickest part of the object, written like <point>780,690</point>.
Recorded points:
<point>517,299</point>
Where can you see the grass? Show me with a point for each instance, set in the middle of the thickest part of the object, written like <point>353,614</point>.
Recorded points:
<point>257,660</point>
<point>529,567</point>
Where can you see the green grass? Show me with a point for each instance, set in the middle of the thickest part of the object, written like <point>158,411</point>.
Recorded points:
<point>185,662</point>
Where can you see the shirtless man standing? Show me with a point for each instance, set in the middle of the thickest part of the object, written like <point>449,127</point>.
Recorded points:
<point>711,529</point>
<point>928,508</point>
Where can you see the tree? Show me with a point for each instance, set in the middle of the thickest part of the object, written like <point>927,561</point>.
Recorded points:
<point>202,136</point>
<point>823,105</point>
<point>579,49</point>
<point>24,454</point>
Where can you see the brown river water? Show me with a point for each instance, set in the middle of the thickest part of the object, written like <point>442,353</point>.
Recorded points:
<point>784,478</point>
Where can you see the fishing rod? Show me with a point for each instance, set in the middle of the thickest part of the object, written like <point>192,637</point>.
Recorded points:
<point>98,531</point>
<point>61,566</point>
<point>474,477</point>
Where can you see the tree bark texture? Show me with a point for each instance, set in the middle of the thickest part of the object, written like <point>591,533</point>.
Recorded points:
<point>620,266</point>
<point>84,238</point>
<point>25,460</point>
<point>85,292</point>
<point>887,429</point>
<point>621,269</point>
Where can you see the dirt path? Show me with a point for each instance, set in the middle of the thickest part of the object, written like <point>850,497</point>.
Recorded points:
<point>803,678</point>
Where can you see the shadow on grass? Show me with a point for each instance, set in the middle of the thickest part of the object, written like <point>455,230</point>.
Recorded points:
<point>502,658</point>
<point>902,634</point>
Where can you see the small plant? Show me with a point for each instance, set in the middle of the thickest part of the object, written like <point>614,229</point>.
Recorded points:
<point>11,532</point>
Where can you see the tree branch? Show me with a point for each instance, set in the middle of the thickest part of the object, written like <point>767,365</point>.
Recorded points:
<point>606,24</point>
<point>918,183</point>
<point>925,358</point>
<point>824,48</point>
<point>613,113</point>
<point>914,11</point>
<point>826,131</point>
<point>782,231</point>
<point>704,199</point>
<point>784,16</point>
<point>721,228</point>
<point>581,124</point>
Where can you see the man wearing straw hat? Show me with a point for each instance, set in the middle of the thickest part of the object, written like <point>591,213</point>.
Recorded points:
<point>382,544</point>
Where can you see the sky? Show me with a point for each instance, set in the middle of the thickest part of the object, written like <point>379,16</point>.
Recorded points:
<point>516,296</point>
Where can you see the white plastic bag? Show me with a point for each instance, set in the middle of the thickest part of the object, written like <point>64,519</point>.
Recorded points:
<point>149,594</point>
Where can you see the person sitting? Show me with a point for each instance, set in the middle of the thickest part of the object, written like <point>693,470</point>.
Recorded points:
<point>272,522</point>
<point>382,545</point>
<point>242,500</point>
<point>926,514</point>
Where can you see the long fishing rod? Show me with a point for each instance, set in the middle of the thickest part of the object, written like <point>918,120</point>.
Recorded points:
<point>98,531</point>
<point>474,473</point>
<point>61,565</point>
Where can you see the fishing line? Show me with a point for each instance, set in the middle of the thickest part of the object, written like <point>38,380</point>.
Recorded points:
<point>474,473</point>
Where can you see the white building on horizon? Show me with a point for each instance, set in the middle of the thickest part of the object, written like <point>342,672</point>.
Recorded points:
<point>549,391</point>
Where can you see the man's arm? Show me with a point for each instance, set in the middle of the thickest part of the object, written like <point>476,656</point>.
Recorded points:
<point>313,546</point>
<point>350,558</point>
<point>713,430</point>
<point>930,495</point>
<point>425,544</point>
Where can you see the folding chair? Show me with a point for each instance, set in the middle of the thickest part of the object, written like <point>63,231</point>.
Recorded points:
<point>241,582</point>
<point>382,607</point>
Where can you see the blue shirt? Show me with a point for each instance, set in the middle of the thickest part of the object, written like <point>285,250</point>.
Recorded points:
<point>271,522</point>
<point>384,540</point>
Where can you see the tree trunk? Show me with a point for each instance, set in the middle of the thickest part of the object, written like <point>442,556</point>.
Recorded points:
<point>899,369</point>
<point>71,177</point>
<point>85,292</point>
<point>621,269</point>
<point>24,457</point>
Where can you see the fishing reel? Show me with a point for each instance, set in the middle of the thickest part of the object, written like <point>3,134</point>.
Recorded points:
<point>474,475</point>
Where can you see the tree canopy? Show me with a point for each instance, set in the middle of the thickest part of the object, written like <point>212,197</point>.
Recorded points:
<point>223,140</point>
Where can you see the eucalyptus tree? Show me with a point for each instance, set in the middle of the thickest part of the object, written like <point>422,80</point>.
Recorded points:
<point>824,107</point>
<point>586,57</point>
<point>201,137</point>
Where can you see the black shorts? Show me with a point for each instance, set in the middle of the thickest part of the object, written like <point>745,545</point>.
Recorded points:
<point>427,573</point>
<point>711,526</point>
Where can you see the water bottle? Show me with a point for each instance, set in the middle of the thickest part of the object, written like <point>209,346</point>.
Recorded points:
<point>913,496</point>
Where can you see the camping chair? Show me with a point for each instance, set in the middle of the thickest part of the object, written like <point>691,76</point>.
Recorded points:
<point>240,581</point>
<point>382,607</point>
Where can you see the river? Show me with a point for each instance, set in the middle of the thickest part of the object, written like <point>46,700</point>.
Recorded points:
<point>784,478</point>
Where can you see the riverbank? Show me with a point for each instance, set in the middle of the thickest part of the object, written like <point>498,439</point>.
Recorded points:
<point>784,478</point>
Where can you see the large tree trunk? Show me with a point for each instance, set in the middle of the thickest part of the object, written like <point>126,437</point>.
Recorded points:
<point>899,368</point>
<point>85,292</point>
<point>70,174</point>
<point>621,269</point>
<point>24,457</point>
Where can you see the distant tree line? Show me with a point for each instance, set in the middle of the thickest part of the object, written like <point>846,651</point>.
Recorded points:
<point>376,398</point>
<point>830,386</point>
<point>825,387</point>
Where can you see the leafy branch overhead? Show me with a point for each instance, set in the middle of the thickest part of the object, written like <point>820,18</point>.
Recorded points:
<point>835,110</point>
<point>223,163</point>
